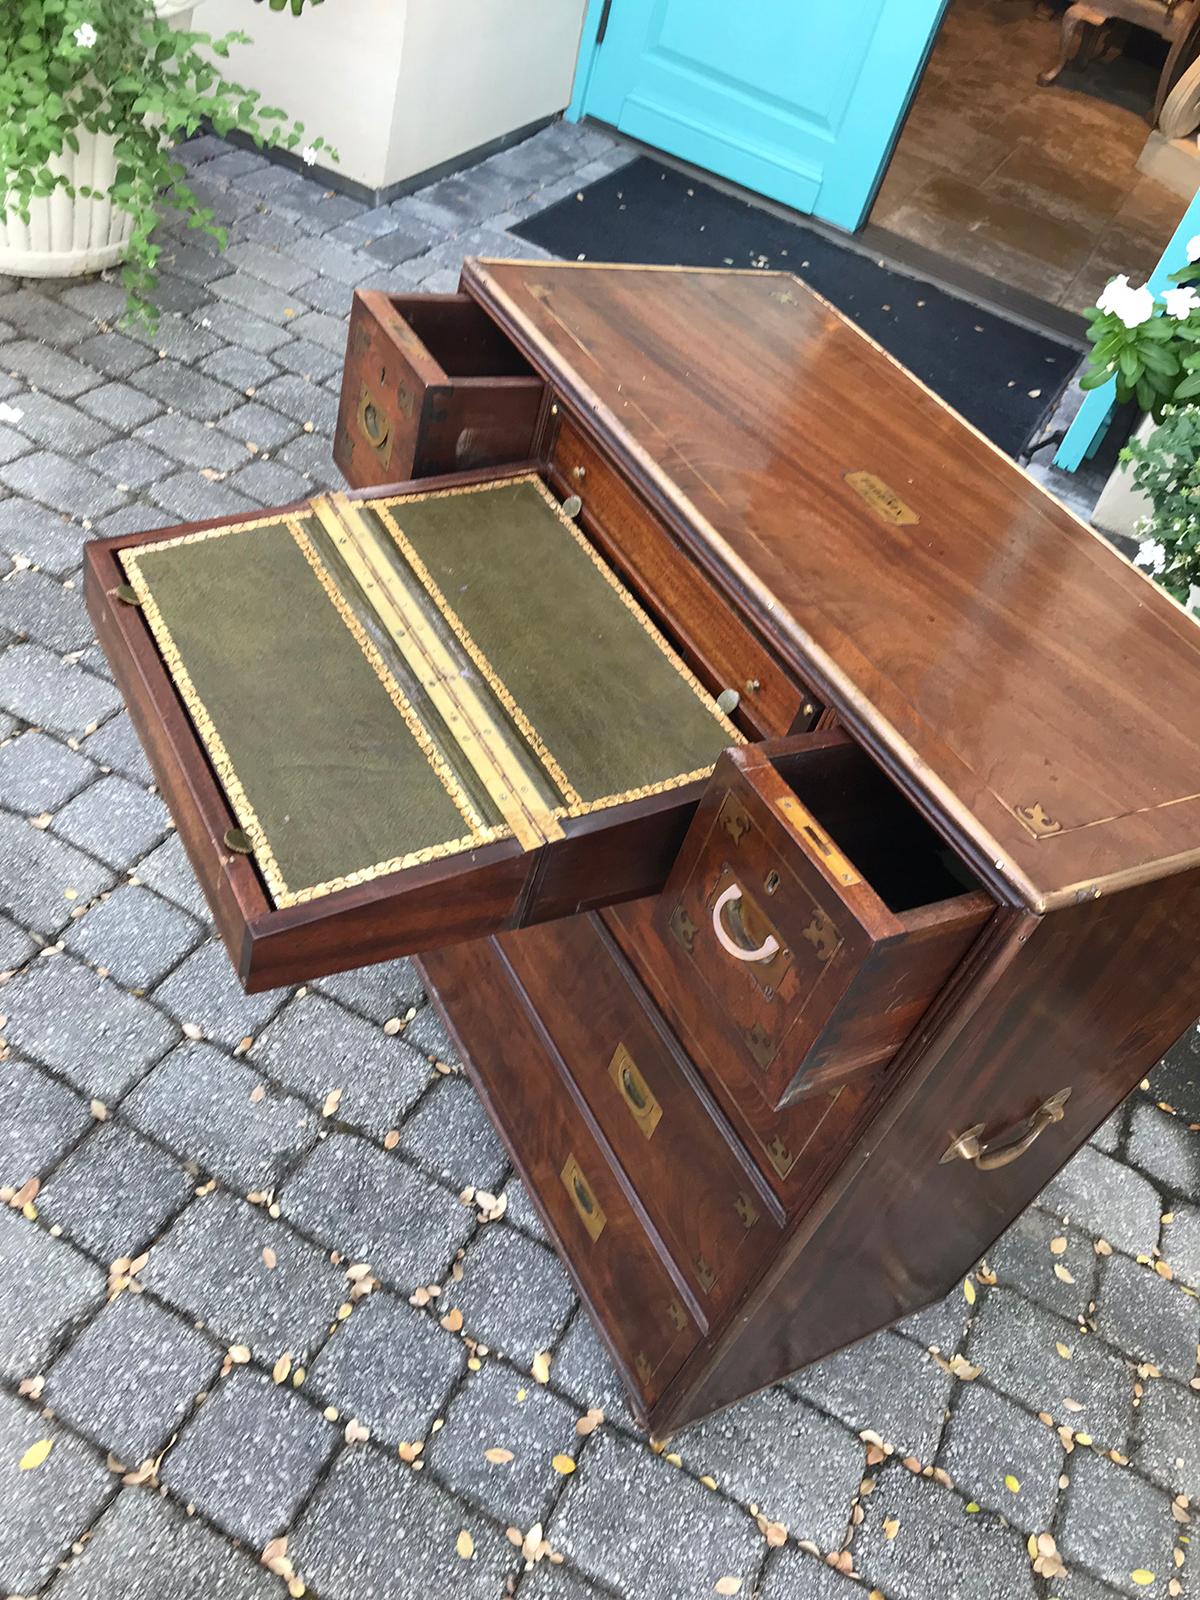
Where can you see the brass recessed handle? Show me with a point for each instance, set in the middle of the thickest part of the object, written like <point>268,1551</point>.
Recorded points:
<point>636,1094</point>
<point>591,1213</point>
<point>1009,1146</point>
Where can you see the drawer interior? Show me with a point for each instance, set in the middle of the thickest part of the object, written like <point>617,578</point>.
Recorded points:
<point>461,337</point>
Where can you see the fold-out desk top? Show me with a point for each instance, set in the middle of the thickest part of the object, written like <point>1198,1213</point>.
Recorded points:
<point>1037,695</point>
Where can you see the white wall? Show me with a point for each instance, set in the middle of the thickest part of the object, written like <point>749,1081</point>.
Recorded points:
<point>398,86</point>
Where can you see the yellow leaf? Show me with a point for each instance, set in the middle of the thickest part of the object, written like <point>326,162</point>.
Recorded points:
<point>498,1457</point>
<point>465,1545</point>
<point>728,1586</point>
<point>1062,1274</point>
<point>1064,1350</point>
<point>1058,1246</point>
<point>969,1291</point>
<point>891,1527</point>
<point>972,1506</point>
<point>35,1455</point>
<point>563,1465</point>
<point>1012,1484</point>
<point>1141,1577</point>
<point>540,1369</point>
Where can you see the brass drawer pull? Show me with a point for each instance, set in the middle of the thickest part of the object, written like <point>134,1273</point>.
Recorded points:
<point>590,1211</point>
<point>636,1094</point>
<point>763,952</point>
<point>991,1154</point>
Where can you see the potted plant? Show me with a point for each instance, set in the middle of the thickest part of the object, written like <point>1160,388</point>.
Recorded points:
<point>96,93</point>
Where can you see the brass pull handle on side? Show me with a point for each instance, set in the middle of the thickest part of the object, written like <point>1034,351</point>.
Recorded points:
<point>636,1094</point>
<point>591,1212</point>
<point>764,952</point>
<point>988,1155</point>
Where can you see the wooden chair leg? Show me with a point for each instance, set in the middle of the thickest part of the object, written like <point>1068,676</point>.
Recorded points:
<point>1073,25</point>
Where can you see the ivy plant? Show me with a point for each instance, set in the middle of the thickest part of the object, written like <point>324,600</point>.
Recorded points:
<point>1166,468</point>
<point>113,66</point>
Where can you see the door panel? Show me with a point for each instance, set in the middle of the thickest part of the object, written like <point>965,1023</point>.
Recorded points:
<point>798,101</point>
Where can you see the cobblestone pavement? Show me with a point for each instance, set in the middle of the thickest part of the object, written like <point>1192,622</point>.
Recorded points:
<point>184,1318</point>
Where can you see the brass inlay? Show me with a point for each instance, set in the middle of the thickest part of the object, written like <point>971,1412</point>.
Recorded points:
<point>683,928</point>
<point>476,732</point>
<point>644,1369</point>
<point>990,1154</point>
<point>761,1044</point>
<point>677,1315</point>
<point>814,835</point>
<point>734,820</point>
<point>635,1092</point>
<point>590,1211</point>
<point>746,1210</point>
<point>822,935</point>
<point>1037,820</point>
<point>781,1157</point>
<point>882,500</point>
<point>705,1274</point>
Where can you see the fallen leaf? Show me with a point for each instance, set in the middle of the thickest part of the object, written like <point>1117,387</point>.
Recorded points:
<point>332,1101</point>
<point>465,1545</point>
<point>1062,1273</point>
<point>590,1423</point>
<point>497,1456</point>
<point>239,1354</point>
<point>452,1321</point>
<point>269,1258</point>
<point>1163,1270</point>
<point>282,1367</point>
<point>891,1527</point>
<point>392,1026</point>
<point>1102,1247</point>
<point>35,1455</point>
<point>1011,1483</point>
<point>391,1139</point>
<point>968,1291</point>
<point>1058,1246</point>
<point>1064,1350</point>
<point>99,1110</point>
<point>775,1534</point>
<point>540,1370</point>
<point>357,1432</point>
<point>563,1465</point>
<point>1073,1405</point>
<point>728,1586</point>
<point>1142,1577</point>
<point>258,1093</point>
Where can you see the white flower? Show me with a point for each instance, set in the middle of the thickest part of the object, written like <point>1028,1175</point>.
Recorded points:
<point>1151,555</point>
<point>309,155</point>
<point>1193,248</point>
<point>10,413</point>
<point>1181,302</point>
<point>85,36</point>
<point>1132,306</point>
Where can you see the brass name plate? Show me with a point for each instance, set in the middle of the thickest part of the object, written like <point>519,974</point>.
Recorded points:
<point>883,501</point>
<point>635,1092</point>
<point>590,1211</point>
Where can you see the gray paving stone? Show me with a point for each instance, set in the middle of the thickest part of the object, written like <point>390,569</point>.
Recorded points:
<point>144,1548</point>
<point>115,745</point>
<point>795,1465</point>
<point>131,462</point>
<point>1168,1427</point>
<point>307,359</point>
<point>41,872</point>
<point>136,518</point>
<point>210,1265</point>
<point>326,329</point>
<point>303,401</point>
<point>250,1457</point>
<point>48,369</point>
<point>33,606</point>
<point>258,424</point>
<point>198,1101</point>
<point>113,353</point>
<point>380,992</point>
<point>205,990</point>
<point>44,537</point>
<point>258,298</point>
<point>1022,1259</point>
<point>1147,1317</point>
<point>168,872</point>
<point>1181,1245</point>
<point>1165,1148</point>
<point>275,267</point>
<point>520,1211</point>
<point>612,1515</point>
<point>271,483</point>
<point>238,326</point>
<point>39,688</point>
<point>192,443</point>
<point>114,1193</point>
<point>135,935</point>
<point>514,1295</point>
<point>315,209</point>
<point>380,1076</point>
<point>310,453</point>
<point>583,1369</point>
<point>1176,1078</point>
<point>49,1288</point>
<point>480,192</point>
<point>41,315</point>
<point>375,1530</point>
<point>884,1383</point>
<point>84,1026</point>
<point>64,485</point>
<point>184,388</point>
<point>122,406</point>
<point>97,300</point>
<point>239,369</point>
<point>1101,1196</point>
<point>939,1549</point>
<point>334,298</point>
<point>989,1439</point>
<point>1078,1586</point>
<point>181,338</point>
<point>495,1408</point>
<point>941,1325</point>
<point>1014,1344</point>
<point>192,498</point>
<point>390,1366</point>
<point>39,1119</point>
<point>131,1377</point>
<point>16,946</point>
<point>793,1574</point>
<point>61,427</point>
<point>427,1033</point>
<point>549,1581</point>
<point>374,1207</point>
<point>13,444</point>
<point>1116,1523</point>
<point>450,1136</point>
<point>38,774</point>
<point>115,820</point>
<point>41,1512</point>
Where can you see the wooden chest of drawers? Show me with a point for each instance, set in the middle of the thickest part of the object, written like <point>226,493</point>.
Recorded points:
<point>844,859</point>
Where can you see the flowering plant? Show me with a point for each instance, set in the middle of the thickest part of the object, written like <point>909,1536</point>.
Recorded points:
<point>1150,346</point>
<point>114,67</point>
<point>1166,468</point>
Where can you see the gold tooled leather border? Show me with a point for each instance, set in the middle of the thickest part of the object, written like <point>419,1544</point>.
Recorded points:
<point>575,805</point>
<point>214,746</point>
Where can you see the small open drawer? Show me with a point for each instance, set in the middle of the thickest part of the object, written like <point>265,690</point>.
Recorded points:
<point>387,723</point>
<point>820,912</point>
<point>430,385</point>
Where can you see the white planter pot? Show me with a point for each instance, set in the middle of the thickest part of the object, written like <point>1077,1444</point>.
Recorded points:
<point>1121,507</point>
<point>65,237</point>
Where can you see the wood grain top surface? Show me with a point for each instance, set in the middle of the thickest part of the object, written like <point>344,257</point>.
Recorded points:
<point>1021,679</point>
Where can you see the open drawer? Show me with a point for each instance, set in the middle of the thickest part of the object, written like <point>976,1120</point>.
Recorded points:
<point>431,385</point>
<point>385,724</point>
<point>818,911</point>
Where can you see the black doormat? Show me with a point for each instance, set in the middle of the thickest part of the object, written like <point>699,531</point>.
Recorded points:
<point>1001,376</point>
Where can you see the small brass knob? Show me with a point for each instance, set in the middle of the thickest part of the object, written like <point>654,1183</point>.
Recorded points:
<point>579,472</point>
<point>752,685</point>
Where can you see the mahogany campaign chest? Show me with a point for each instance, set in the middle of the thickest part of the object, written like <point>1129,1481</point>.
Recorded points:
<point>795,810</point>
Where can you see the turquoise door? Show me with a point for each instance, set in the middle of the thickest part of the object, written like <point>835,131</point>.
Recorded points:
<point>799,100</point>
